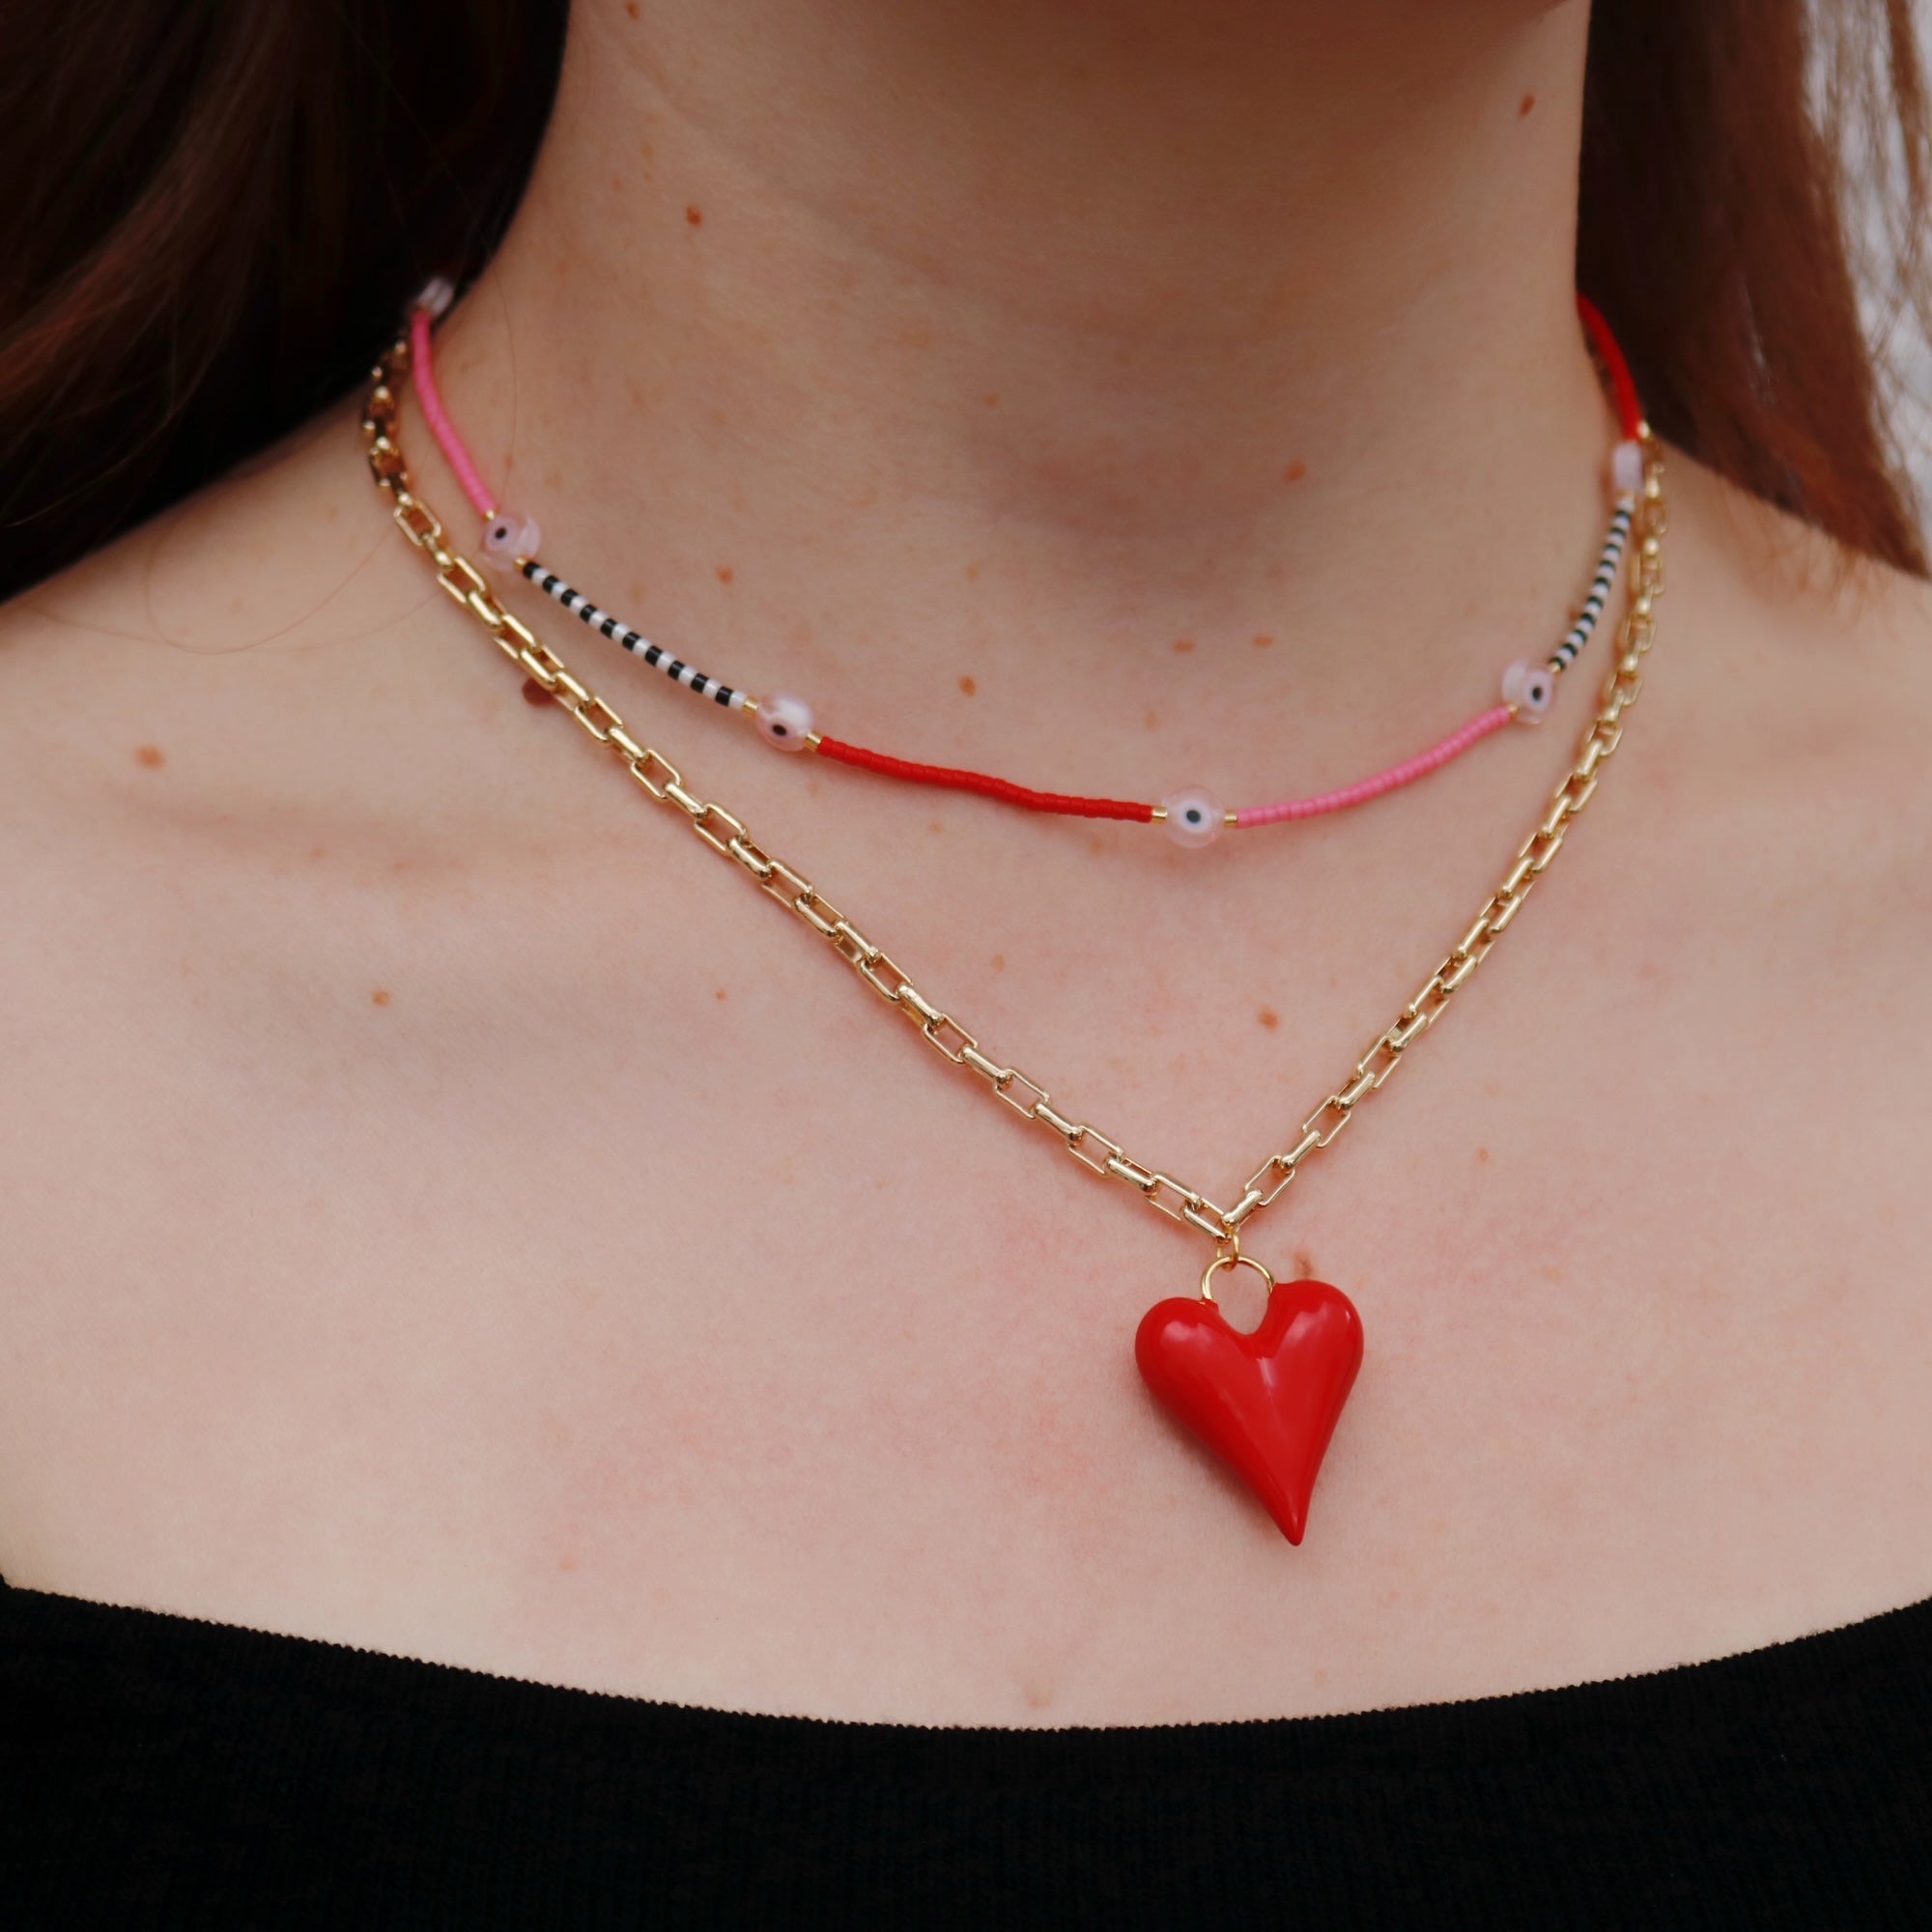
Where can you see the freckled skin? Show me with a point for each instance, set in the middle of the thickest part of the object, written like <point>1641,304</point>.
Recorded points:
<point>869,1443</point>
<point>380,997</point>
<point>695,215</point>
<point>1528,104</point>
<point>1269,1018</point>
<point>152,756</point>
<point>967,685</point>
<point>1453,1278</point>
<point>1262,641</point>
<point>1182,645</point>
<point>725,573</point>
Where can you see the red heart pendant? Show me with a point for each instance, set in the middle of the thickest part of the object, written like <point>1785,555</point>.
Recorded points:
<point>1267,1403</point>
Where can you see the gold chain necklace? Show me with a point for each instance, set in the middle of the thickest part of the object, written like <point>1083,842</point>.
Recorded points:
<point>1267,1401</point>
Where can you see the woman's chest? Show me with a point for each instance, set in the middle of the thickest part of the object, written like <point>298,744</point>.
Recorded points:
<point>737,1350</point>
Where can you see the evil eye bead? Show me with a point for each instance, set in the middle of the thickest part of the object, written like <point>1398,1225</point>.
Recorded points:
<point>1531,689</point>
<point>1194,816</point>
<point>785,721</point>
<point>1626,468</point>
<point>506,537</point>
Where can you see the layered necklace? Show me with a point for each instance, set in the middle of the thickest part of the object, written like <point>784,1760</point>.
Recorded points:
<point>1265,1401</point>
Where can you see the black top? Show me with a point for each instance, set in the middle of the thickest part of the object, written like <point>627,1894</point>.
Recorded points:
<point>160,1771</point>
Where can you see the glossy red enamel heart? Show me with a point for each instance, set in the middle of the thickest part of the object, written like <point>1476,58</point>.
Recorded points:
<point>1267,1403</point>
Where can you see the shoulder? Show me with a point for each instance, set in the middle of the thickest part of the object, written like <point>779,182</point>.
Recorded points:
<point>201,693</point>
<point>217,602</point>
<point>199,785</point>
<point>1796,684</point>
<point>1783,917</point>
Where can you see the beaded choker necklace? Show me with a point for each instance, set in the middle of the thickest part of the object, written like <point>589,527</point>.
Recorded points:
<point>1192,815</point>
<point>1266,1402</point>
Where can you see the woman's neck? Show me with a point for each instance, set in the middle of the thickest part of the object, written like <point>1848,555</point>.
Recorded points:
<point>864,348</point>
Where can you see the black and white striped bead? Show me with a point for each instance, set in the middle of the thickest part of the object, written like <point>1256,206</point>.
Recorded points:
<point>620,633</point>
<point>1601,586</point>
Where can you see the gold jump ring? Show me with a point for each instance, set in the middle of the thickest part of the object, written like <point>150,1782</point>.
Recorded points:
<point>1235,1259</point>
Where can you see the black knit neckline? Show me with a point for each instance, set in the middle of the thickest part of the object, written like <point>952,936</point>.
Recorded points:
<point>218,1663</point>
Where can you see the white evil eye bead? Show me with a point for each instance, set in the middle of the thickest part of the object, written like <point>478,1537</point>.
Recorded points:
<point>1531,689</point>
<point>1626,468</point>
<point>438,293</point>
<point>1194,816</point>
<point>507,537</point>
<point>785,721</point>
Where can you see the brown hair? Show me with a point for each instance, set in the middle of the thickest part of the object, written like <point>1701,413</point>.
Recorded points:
<point>215,211</point>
